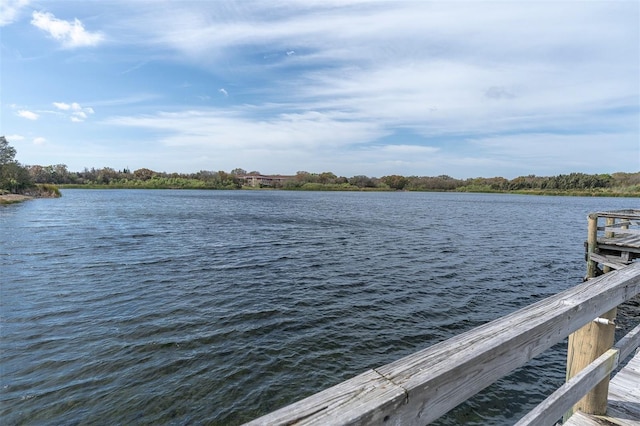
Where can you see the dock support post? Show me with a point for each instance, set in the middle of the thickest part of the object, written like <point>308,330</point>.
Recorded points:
<point>609,222</point>
<point>585,345</point>
<point>591,341</point>
<point>592,242</point>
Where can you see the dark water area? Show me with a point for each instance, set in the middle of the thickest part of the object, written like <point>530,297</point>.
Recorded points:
<point>215,307</point>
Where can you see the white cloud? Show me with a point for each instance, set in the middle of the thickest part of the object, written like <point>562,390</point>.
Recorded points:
<point>278,143</point>
<point>553,152</point>
<point>15,137</point>
<point>10,9</point>
<point>39,141</point>
<point>78,113</point>
<point>428,66</point>
<point>382,31</point>
<point>62,106</point>
<point>69,34</point>
<point>418,86</point>
<point>219,129</point>
<point>408,149</point>
<point>29,115</point>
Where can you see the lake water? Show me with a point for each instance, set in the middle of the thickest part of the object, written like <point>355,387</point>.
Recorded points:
<point>215,307</point>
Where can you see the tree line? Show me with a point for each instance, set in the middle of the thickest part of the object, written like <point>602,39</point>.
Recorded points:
<point>15,177</point>
<point>236,179</point>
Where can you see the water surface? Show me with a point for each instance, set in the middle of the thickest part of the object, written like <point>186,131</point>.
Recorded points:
<point>215,307</point>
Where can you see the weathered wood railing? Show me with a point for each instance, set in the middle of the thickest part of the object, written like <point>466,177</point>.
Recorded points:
<point>561,401</point>
<point>421,387</point>
<point>613,241</point>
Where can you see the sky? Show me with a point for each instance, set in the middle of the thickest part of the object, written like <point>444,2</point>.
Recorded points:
<point>416,88</point>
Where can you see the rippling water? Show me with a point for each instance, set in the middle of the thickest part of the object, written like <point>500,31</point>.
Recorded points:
<point>213,307</point>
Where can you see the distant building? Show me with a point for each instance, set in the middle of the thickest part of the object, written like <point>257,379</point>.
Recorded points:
<point>265,180</point>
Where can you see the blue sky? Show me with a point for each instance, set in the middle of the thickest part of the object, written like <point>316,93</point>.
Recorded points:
<point>467,89</point>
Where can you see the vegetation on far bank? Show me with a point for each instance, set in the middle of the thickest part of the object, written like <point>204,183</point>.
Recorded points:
<point>16,178</point>
<point>16,182</point>
<point>580,184</point>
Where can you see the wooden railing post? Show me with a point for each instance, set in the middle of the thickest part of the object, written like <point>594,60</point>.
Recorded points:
<point>592,242</point>
<point>625,224</point>
<point>585,346</point>
<point>592,340</point>
<point>609,222</point>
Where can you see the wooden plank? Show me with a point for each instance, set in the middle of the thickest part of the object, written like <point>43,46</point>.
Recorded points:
<point>630,241</point>
<point>624,400</point>
<point>629,343</point>
<point>581,419</point>
<point>620,248</point>
<point>439,378</point>
<point>619,214</point>
<point>363,399</point>
<point>624,224</point>
<point>622,231</point>
<point>626,239</point>
<point>624,393</point>
<point>552,408</point>
<point>607,260</point>
<point>421,387</point>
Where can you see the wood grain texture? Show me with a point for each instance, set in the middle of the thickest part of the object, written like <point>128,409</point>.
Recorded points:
<point>364,399</point>
<point>585,346</point>
<point>624,400</point>
<point>547,412</point>
<point>613,262</point>
<point>553,408</point>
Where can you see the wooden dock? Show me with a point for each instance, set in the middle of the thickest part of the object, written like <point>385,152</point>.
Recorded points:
<point>613,245</point>
<point>422,387</point>
<point>623,402</point>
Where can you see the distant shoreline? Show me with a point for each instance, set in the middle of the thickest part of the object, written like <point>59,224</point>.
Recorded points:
<point>36,191</point>
<point>601,192</point>
<point>13,198</point>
